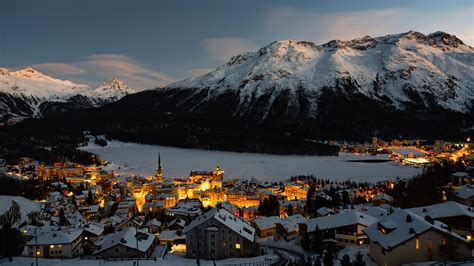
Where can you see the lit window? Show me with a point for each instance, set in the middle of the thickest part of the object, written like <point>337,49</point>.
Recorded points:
<point>237,245</point>
<point>52,246</point>
<point>38,253</point>
<point>469,237</point>
<point>417,243</point>
<point>430,244</point>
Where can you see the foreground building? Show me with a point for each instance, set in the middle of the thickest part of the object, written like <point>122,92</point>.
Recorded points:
<point>129,242</point>
<point>56,244</point>
<point>404,237</point>
<point>460,218</point>
<point>344,228</point>
<point>218,234</point>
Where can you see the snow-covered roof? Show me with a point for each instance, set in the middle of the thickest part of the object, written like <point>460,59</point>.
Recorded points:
<point>345,218</point>
<point>171,235</point>
<point>264,222</point>
<point>56,237</point>
<point>226,218</point>
<point>153,222</point>
<point>130,237</point>
<point>445,209</point>
<point>383,196</point>
<point>465,192</point>
<point>291,223</point>
<point>323,211</point>
<point>93,229</point>
<point>402,226</point>
<point>460,174</point>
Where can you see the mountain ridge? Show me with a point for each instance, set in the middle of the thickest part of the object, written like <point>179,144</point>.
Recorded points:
<point>287,95</point>
<point>27,92</point>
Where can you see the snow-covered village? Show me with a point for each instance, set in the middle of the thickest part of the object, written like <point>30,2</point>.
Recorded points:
<point>236,132</point>
<point>67,212</point>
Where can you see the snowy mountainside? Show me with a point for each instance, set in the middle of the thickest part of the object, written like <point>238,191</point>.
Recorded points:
<point>29,93</point>
<point>401,71</point>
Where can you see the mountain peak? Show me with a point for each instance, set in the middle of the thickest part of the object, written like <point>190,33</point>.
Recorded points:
<point>117,85</point>
<point>29,72</point>
<point>4,71</point>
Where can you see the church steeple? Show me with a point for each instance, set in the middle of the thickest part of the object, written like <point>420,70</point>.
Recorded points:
<point>159,170</point>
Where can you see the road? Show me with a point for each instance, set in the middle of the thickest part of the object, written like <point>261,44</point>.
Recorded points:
<point>286,255</point>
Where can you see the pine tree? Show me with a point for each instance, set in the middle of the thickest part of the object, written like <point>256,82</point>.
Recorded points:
<point>346,260</point>
<point>359,261</point>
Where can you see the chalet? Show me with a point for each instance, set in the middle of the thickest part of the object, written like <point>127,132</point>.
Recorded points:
<point>154,226</point>
<point>288,227</point>
<point>219,234</point>
<point>265,226</point>
<point>382,199</point>
<point>459,178</point>
<point>344,228</point>
<point>130,242</point>
<point>57,244</point>
<point>460,218</point>
<point>404,237</point>
<point>172,238</point>
<point>465,195</point>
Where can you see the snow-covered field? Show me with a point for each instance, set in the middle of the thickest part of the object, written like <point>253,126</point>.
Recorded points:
<point>178,162</point>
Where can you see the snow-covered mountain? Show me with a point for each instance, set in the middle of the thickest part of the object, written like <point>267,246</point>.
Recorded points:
<point>290,79</point>
<point>29,93</point>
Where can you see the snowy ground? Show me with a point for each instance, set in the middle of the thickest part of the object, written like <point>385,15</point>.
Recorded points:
<point>169,260</point>
<point>178,162</point>
<point>26,205</point>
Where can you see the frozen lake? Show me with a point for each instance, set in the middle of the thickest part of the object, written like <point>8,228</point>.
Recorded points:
<point>178,162</point>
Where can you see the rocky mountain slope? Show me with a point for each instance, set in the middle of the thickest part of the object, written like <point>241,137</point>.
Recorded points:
<point>29,93</point>
<point>292,79</point>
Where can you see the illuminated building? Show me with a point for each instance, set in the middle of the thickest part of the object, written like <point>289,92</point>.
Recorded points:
<point>295,192</point>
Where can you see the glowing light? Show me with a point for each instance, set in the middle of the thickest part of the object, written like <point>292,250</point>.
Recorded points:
<point>237,246</point>
<point>52,246</point>
<point>469,237</point>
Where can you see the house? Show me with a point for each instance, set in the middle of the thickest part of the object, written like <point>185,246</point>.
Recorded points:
<point>465,195</point>
<point>325,211</point>
<point>459,178</point>
<point>177,224</point>
<point>91,232</point>
<point>265,226</point>
<point>382,199</point>
<point>344,228</point>
<point>219,234</point>
<point>404,237</point>
<point>59,244</point>
<point>154,226</point>
<point>460,218</point>
<point>129,242</point>
<point>289,226</point>
<point>172,238</point>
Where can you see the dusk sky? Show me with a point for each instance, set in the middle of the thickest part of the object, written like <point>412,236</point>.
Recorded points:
<point>153,43</point>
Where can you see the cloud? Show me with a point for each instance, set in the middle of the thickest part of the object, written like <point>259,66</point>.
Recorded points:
<point>292,23</point>
<point>197,72</point>
<point>123,67</point>
<point>103,67</point>
<point>59,69</point>
<point>222,49</point>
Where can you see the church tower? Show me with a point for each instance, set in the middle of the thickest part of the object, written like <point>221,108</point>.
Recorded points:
<point>159,170</point>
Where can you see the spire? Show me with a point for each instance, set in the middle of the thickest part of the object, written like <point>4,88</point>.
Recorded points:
<point>159,170</point>
<point>159,161</point>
